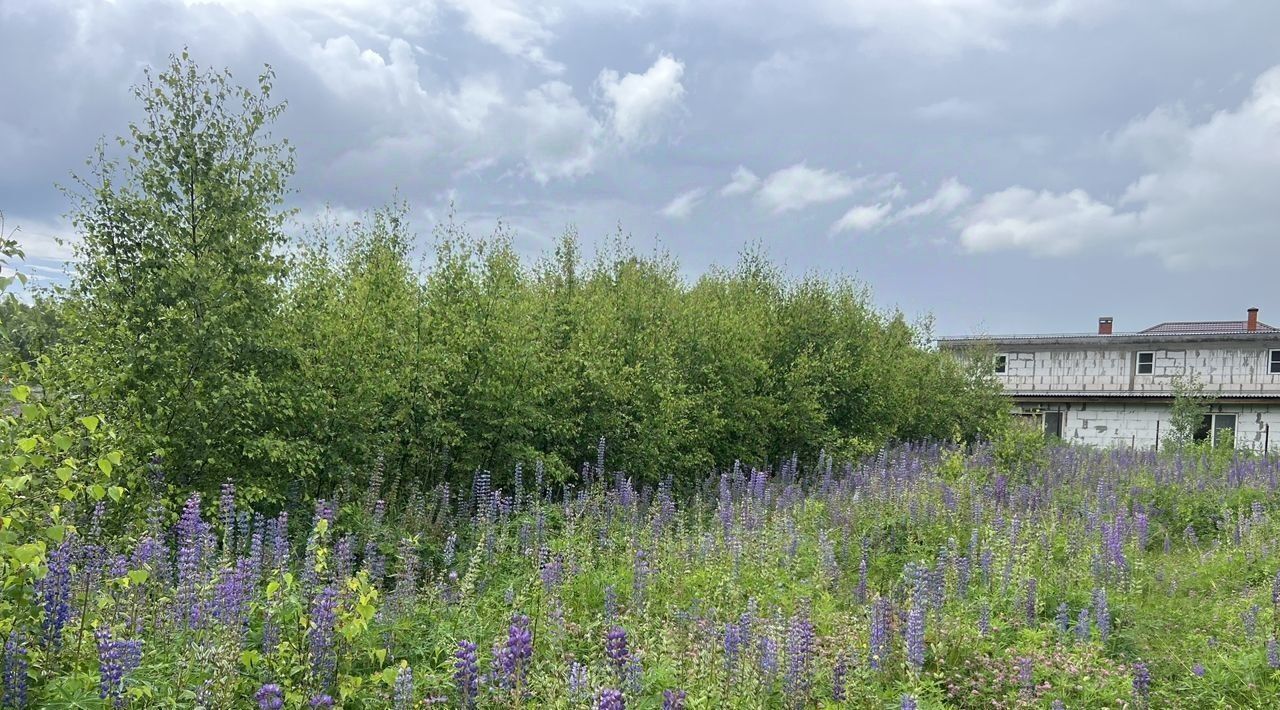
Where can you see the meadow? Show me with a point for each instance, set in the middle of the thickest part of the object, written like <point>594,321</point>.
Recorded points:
<point>922,576</point>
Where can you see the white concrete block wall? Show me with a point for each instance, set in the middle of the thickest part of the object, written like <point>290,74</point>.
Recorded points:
<point>1135,424</point>
<point>1220,369</point>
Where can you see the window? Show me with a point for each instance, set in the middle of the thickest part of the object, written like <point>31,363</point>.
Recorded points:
<point>1274,367</point>
<point>1001,362</point>
<point>1215,428</point>
<point>1146,363</point>
<point>1053,424</point>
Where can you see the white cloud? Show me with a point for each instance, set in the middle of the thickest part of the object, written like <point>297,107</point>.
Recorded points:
<point>682,205</point>
<point>952,109</point>
<point>741,182</point>
<point>951,194</point>
<point>1043,223</point>
<point>862,218</point>
<point>1208,195</point>
<point>561,136</point>
<point>40,240</point>
<point>503,24</point>
<point>800,186</point>
<point>639,102</point>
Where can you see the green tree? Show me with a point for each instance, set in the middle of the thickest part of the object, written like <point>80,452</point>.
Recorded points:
<point>1186,414</point>
<point>179,281</point>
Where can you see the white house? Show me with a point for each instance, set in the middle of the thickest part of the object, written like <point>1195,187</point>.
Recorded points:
<point>1110,388</point>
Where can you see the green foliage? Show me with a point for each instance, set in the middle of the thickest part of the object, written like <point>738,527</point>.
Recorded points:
<point>1190,404</point>
<point>287,366</point>
<point>177,285</point>
<point>1020,448</point>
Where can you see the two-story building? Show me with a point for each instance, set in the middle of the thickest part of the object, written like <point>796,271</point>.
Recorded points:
<point>1112,388</point>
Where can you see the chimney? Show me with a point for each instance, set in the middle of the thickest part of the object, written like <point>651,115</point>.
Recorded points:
<point>1104,326</point>
<point>1251,325</point>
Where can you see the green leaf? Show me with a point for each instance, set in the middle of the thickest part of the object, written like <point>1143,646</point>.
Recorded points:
<point>138,576</point>
<point>64,473</point>
<point>96,491</point>
<point>28,444</point>
<point>115,493</point>
<point>21,392</point>
<point>28,552</point>
<point>90,422</point>
<point>55,532</point>
<point>105,465</point>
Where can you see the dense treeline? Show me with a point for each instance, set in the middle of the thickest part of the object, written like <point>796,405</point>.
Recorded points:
<point>204,333</point>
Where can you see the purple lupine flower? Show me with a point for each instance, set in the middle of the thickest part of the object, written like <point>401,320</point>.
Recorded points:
<point>322,625</point>
<point>733,643</point>
<point>466,673</point>
<point>800,643</point>
<point>768,658</point>
<point>192,532</point>
<point>1273,653</point>
<point>1026,676</point>
<point>1063,619</point>
<point>838,673</point>
<point>513,657</point>
<point>54,592</point>
<point>320,701</point>
<point>673,699</point>
<point>402,694</point>
<point>116,659</point>
<point>610,603</point>
<point>1101,613</point>
<point>1250,620</point>
<point>1198,670</point>
<point>1083,624</point>
<point>909,702</point>
<point>878,639</point>
<point>611,699</point>
<point>579,682</point>
<point>269,697</point>
<point>615,648</point>
<point>640,578</point>
<point>915,637</point>
<point>1058,705</point>
<point>13,692</point>
<point>1141,683</point>
<point>227,516</point>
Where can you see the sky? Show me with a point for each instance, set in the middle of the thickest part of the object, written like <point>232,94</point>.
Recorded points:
<point>998,166</point>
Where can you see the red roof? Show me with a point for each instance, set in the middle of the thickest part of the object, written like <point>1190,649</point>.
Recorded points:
<point>1213,327</point>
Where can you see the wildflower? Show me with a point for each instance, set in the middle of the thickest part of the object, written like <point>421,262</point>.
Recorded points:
<point>615,648</point>
<point>1102,614</point>
<point>513,657</point>
<point>116,659</point>
<point>320,635</point>
<point>466,673</point>
<point>317,702</point>
<point>579,683</point>
<point>909,702</point>
<point>915,637</point>
<point>838,673</point>
<point>269,697</point>
<point>673,699</point>
<point>1031,602</point>
<point>800,642</point>
<point>403,690</point>
<point>1198,670</point>
<point>1141,683</point>
<point>611,699</point>
<point>879,636</point>
<point>13,692</point>
<point>1273,652</point>
<point>54,591</point>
